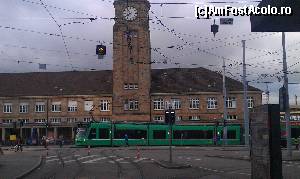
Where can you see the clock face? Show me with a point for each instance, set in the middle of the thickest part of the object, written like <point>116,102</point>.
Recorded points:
<point>130,13</point>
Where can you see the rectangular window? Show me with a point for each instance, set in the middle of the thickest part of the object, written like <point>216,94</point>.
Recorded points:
<point>72,106</point>
<point>39,120</point>
<point>104,105</point>
<point>131,133</point>
<point>250,100</point>
<point>88,105</point>
<point>231,102</point>
<point>7,121</point>
<point>178,118</point>
<point>126,86</point>
<point>194,118</point>
<point>23,108</point>
<point>55,120</point>
<point>176,103</point>
<point>104,119</point>
<point>131,104</point>
<point>103,133</point>
<point>7,107</point>
<point>212,103</point>
<point>92,134</point>
<point>193,134</point>
<point>159,134</point>
<point>158,119</point>
<point>71,120</point>
<point>87,119</point>
<point>24,120</point>
<point>231,117</point>
<point>194,103</point>
<point>40,107</point>
<point>56,107</point>
<point>158,104</point>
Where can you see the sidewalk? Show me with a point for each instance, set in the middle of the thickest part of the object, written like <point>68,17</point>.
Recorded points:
<point>14,164</point>
<point>236,156</point>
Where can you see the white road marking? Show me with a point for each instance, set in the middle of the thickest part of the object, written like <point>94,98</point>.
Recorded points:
<point>69,161</point>
<point>112,156</point>
<point>51,156</point>
<point>138,160</point>
<point>111,161</point>
<point>124,162</point>
<point>86,157</point>
<point>119,159</point>
<point>188,158</point>
<point>52,160</point>
<point>198,159</point>
<point>94,160</point>
<point>77,155</point>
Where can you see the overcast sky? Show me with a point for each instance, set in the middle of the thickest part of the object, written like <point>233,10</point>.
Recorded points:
<point>28,36</point>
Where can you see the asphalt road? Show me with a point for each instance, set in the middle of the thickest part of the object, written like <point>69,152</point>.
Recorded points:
<point>123,163</point>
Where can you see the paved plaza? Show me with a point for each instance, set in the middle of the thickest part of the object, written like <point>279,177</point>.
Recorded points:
<point>133,162</point>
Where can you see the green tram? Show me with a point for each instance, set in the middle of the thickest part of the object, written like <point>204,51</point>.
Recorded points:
<point>112,134</point>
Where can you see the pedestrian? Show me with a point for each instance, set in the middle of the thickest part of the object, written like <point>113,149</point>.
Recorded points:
<point>61,141</point>
<point>126,139</point>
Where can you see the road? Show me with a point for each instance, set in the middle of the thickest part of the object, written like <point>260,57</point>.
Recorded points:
<point>124,163</point>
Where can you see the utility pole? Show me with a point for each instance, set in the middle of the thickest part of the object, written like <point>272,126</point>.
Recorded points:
<point>287,103</point>
<point>246,116</point>
<point>225,108</point>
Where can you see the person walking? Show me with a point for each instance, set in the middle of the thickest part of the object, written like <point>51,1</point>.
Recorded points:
<point>126,140</point>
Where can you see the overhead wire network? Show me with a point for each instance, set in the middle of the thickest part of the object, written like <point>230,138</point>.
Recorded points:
<point>97,18</point>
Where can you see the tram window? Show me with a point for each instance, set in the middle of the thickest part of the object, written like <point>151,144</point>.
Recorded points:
<point>295,132</point>
<point>103,134</point>
<point>132,134</point>
<point>192,134</point>
<point>159,134</point>
<point>92,134</point>
<point>231,135</point>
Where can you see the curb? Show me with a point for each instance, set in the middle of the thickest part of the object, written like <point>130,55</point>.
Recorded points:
<point>173,166</point>
<point>245,158</point>
<point>38,164</point>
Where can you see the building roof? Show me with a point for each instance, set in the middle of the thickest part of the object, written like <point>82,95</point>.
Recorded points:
<point>173,80</point>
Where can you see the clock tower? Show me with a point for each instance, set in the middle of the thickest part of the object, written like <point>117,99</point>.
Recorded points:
<point>131,61</point>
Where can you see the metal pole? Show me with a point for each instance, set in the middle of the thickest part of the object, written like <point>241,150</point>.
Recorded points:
<point>47,116</point>
<point>170,141</point>
<point>287,104</point>
<point>246,116</point>
<point>225,109</point>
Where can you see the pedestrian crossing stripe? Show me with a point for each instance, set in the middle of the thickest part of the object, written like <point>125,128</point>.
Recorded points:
<point>94,160</point>
<point>81,158</point>
<point>68,161</point>
<point>52,160</point>
<point>51,156</point>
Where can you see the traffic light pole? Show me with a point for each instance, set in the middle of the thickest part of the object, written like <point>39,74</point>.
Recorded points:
<point>224,107</point>
<point>170,142</point>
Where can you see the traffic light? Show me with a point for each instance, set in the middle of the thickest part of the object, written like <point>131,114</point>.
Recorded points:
<point>170,116</point>
<point>101,50</point>
<point>214,28</point>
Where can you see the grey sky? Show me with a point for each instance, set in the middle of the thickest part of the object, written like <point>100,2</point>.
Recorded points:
<point>49,49</point>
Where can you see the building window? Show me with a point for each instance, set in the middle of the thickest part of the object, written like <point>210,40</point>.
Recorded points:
<point>158,119</point>
<point>87,119</point>
<point>71,120</point>
<point>7,107</point>
<point>23,108</point>
<point>104,105</point>
<point>250,100</point>
<point>72,106</point>
<point>39,120</point>
<point>24,120</point>
<point>55,120</point>
<point>7,121</point>
<point>194,118</point>
<point>176,103</point>
<point>158,104</point>
<point>88,105</point>
<point>131,86</point>
<point>104,119</point>
<point>56,107</point>
<point>194,103</point>
<point>231,117</point>
<point>178,118</point>
<point>131,104</point>
<point>40,107</point>
<point>212,103</point>
<point>231,102</point>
